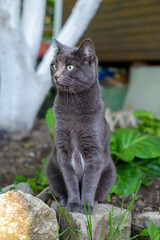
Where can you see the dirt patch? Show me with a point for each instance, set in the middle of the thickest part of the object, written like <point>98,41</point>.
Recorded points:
<point>149,199</point>
<point>24,158</point>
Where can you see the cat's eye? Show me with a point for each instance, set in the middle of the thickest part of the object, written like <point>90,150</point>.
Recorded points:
<point>70,67</point>
<point>54,66</point>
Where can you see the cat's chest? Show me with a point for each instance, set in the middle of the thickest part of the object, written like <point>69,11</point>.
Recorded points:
<point>76,143</point>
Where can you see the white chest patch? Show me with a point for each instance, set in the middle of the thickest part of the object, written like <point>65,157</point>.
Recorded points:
<point>77,161</point>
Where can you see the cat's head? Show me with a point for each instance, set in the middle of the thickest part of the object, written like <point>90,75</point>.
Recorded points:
<point>74,69</point>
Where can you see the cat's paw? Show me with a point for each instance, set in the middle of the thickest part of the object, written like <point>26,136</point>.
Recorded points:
<point>62,201</point>
<point>73,207</point>
<point>91,211</point>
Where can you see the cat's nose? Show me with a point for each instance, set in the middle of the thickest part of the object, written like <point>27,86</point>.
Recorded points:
<point>56,77</point>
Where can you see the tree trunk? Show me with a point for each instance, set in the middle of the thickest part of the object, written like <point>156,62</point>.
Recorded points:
<point>22,89</point>
<point>21,93</point>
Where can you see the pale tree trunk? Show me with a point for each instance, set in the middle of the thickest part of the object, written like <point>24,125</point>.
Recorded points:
<point>22,89</point>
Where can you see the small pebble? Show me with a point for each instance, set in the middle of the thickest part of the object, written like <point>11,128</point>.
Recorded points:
<point>141,203</point>
<point>147,209</point>
<point>32,154</point>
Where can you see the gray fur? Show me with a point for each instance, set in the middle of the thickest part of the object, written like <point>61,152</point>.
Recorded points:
<point>80,166</point>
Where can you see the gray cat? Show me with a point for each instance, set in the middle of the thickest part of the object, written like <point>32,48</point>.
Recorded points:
<point>80,167</point>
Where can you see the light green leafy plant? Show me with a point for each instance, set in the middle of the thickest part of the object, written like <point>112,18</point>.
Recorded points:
<point>131,144</point>
<point>37,183</point>
<point>153,231</point>
<point>137,157</point>
<point>148,123</point>
<point>50,120</point>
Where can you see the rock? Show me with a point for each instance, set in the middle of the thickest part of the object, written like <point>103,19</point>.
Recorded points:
<point>141,203</point>
<point>7,188</point>
<point>45,194</point>
<point>100,222</point>
<point>26,217</point>
<point>141,221</point>
<point>22,186</point>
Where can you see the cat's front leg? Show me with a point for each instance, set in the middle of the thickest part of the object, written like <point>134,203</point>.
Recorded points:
<point>91,176</point>
<point>72,185</point>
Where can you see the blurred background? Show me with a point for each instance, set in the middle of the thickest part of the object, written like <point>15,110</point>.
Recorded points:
<point>126,37</point>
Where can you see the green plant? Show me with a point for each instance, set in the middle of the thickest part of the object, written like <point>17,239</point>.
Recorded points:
<point>115,223</point>
<point>37,183</point>
<point>136,157</point>
<point>152,230</point>
<point>148,123</point>
<point>50,120</point>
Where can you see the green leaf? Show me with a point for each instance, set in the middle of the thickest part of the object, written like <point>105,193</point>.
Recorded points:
<point>127,180</point>
<point>50,119</point>
<point>146,129</point>
<point>143,113</point>
<point>154,231</point>
<point>135,144</point>
<point>144,233</point>
<point>42,177</point>
<point>150,168</point>
<point>124,154</point>
<point>113,142</point>
<point>148,122</point>
<point>20,179</point>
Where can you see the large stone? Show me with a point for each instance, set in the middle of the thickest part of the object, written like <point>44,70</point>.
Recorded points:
<point>141,221</point>
<point>23,216</point>
<point>100,223</point>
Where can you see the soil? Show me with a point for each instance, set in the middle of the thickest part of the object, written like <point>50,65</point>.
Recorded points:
<point>24,158</point>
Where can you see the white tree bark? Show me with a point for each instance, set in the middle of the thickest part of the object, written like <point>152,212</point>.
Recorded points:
<point>22,90</point>
<point>32,23</point>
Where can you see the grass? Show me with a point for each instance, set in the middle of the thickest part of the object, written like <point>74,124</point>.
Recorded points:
<point>114,222</point>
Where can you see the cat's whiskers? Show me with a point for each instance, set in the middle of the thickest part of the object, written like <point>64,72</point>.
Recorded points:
<point>46,83</point>
<point>45,86</point>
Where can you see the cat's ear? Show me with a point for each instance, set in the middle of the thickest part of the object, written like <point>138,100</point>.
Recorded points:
<point>57,46</point>
<point>87,51</point>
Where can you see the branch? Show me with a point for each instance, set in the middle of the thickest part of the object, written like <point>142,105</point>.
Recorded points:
<point>32,23</point>
<point>73,29</point>
<point>10,13</point>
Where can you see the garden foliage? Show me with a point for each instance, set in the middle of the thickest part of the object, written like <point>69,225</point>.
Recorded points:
<point>136,156</point>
